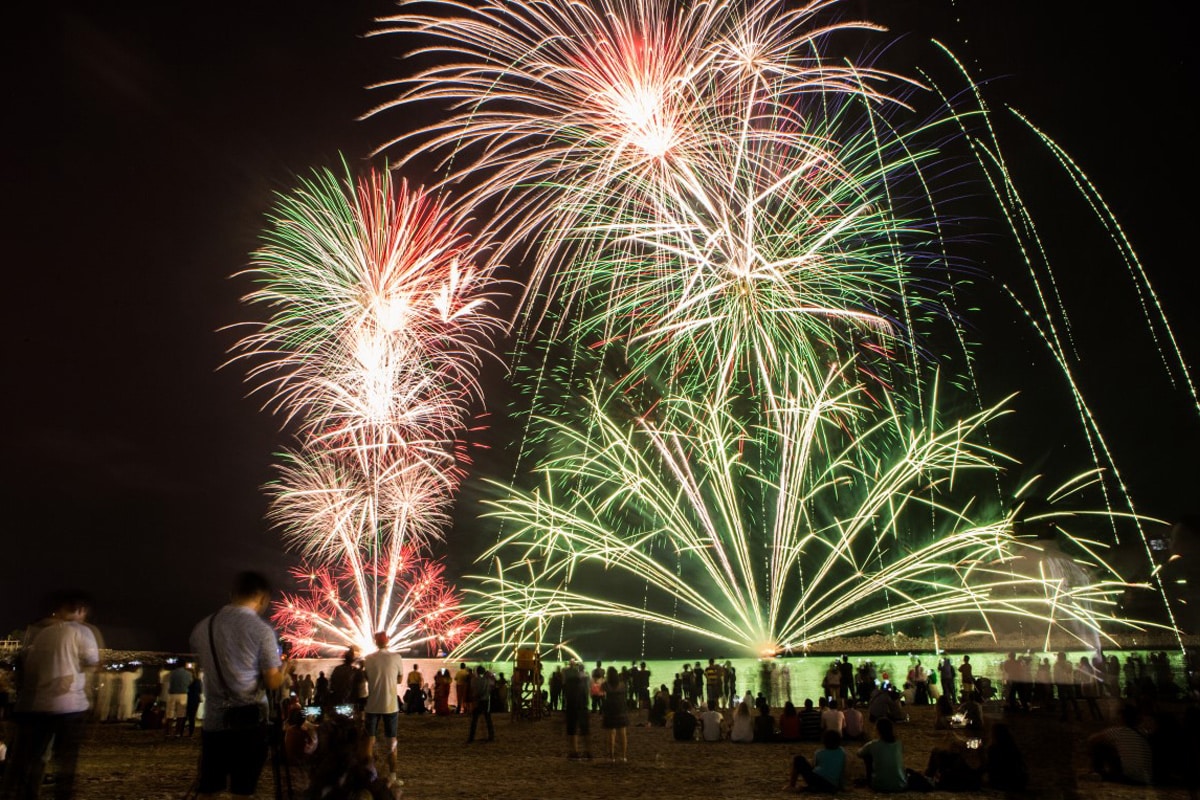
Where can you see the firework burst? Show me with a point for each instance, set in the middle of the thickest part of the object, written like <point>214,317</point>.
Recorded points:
<point>407,598</point>
<point>327,506</point>
<point>745,237</point>
<point>378,323</point>
<point>575,116</point>
<point>836,518</point>
<point>379,319</point>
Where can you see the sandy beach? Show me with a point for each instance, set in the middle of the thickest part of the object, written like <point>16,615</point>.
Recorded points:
<point>528,762</point>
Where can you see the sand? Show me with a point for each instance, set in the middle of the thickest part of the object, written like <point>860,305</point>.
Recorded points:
<point>528,762</point>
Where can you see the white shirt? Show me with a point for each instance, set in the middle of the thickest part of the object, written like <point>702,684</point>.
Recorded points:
<point>55,661</point>
<point>710,726</point>
<point>743,728</point>
<point>384,670</point>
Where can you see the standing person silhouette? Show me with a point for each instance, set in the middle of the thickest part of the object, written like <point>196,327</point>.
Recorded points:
<point>575,711</point>
<point>967,674</point>
<point>615,710</point>
<point>481,697</point>
<point>384,670</point>
<point>239,653</point>
<point>56,654</point>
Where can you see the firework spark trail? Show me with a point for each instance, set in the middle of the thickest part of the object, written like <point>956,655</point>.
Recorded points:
<point>575,113</point>
<point>1152,310</point>
<point>378,323</point>
<point>416,607</point>
<point>637,489</point>
<point>994,167</point>
<point>326,505</point>
<point>722,211</point>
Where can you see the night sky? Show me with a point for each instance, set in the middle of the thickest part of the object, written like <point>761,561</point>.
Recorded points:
<point>144,149</point>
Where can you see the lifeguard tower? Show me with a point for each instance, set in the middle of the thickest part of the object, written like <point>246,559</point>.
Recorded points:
<point>527,686</point>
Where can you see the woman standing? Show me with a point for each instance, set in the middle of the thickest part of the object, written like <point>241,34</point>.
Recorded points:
<point>615,711</point>
<point>833,681</point>
<point>442,681</point>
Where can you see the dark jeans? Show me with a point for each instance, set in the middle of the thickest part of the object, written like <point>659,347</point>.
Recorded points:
<point>816,783</point>
<point>27,765</point>
<point>232,758</point>
<point>482,708</point>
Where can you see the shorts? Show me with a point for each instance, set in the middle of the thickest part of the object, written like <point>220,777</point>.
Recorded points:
<point>233,758</point>
<point>176,706</point>
<point>577,719</point>
<point>390,723</point>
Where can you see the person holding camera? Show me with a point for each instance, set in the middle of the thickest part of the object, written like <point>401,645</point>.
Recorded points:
<point>239,653</point>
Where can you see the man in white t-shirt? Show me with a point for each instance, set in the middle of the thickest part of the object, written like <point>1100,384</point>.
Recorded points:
<point>384,670</point>
<point>56,657</point>
<point>711,723</point>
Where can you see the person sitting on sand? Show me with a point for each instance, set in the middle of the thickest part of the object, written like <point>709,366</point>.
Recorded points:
<point>659,707</point>
<point>884,760</point>
<point>832,719</point>
<point>972,711</point>
<point>712,724</point>
<point>884,705</point>
<point>810,722</point>
<point>684,723</point>
<point>299,737</point>
<point>828,774</point>
<point>1122,753</point>
<point>414,700</point>
<point>343,764</point>
<point>789,723</point>
<point>764,726</point>
<point>945,712</point>
<point>743,725</point>
<point>955,767</point>
<point>853,729</point>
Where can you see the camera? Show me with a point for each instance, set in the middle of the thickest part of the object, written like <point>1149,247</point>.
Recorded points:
<point>314,713</point>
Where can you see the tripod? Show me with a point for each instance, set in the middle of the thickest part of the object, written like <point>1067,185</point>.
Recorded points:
<point>273,731</point>
<point>280,768</point>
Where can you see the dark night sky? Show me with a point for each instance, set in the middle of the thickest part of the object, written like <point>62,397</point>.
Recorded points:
<point>145,147</point>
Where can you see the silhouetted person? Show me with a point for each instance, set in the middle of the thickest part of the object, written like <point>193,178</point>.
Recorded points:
<point>341,683</point>
<point>239,653</point>
<point>481,697</point>
<point>52,665</point>
<point>383,670</point>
